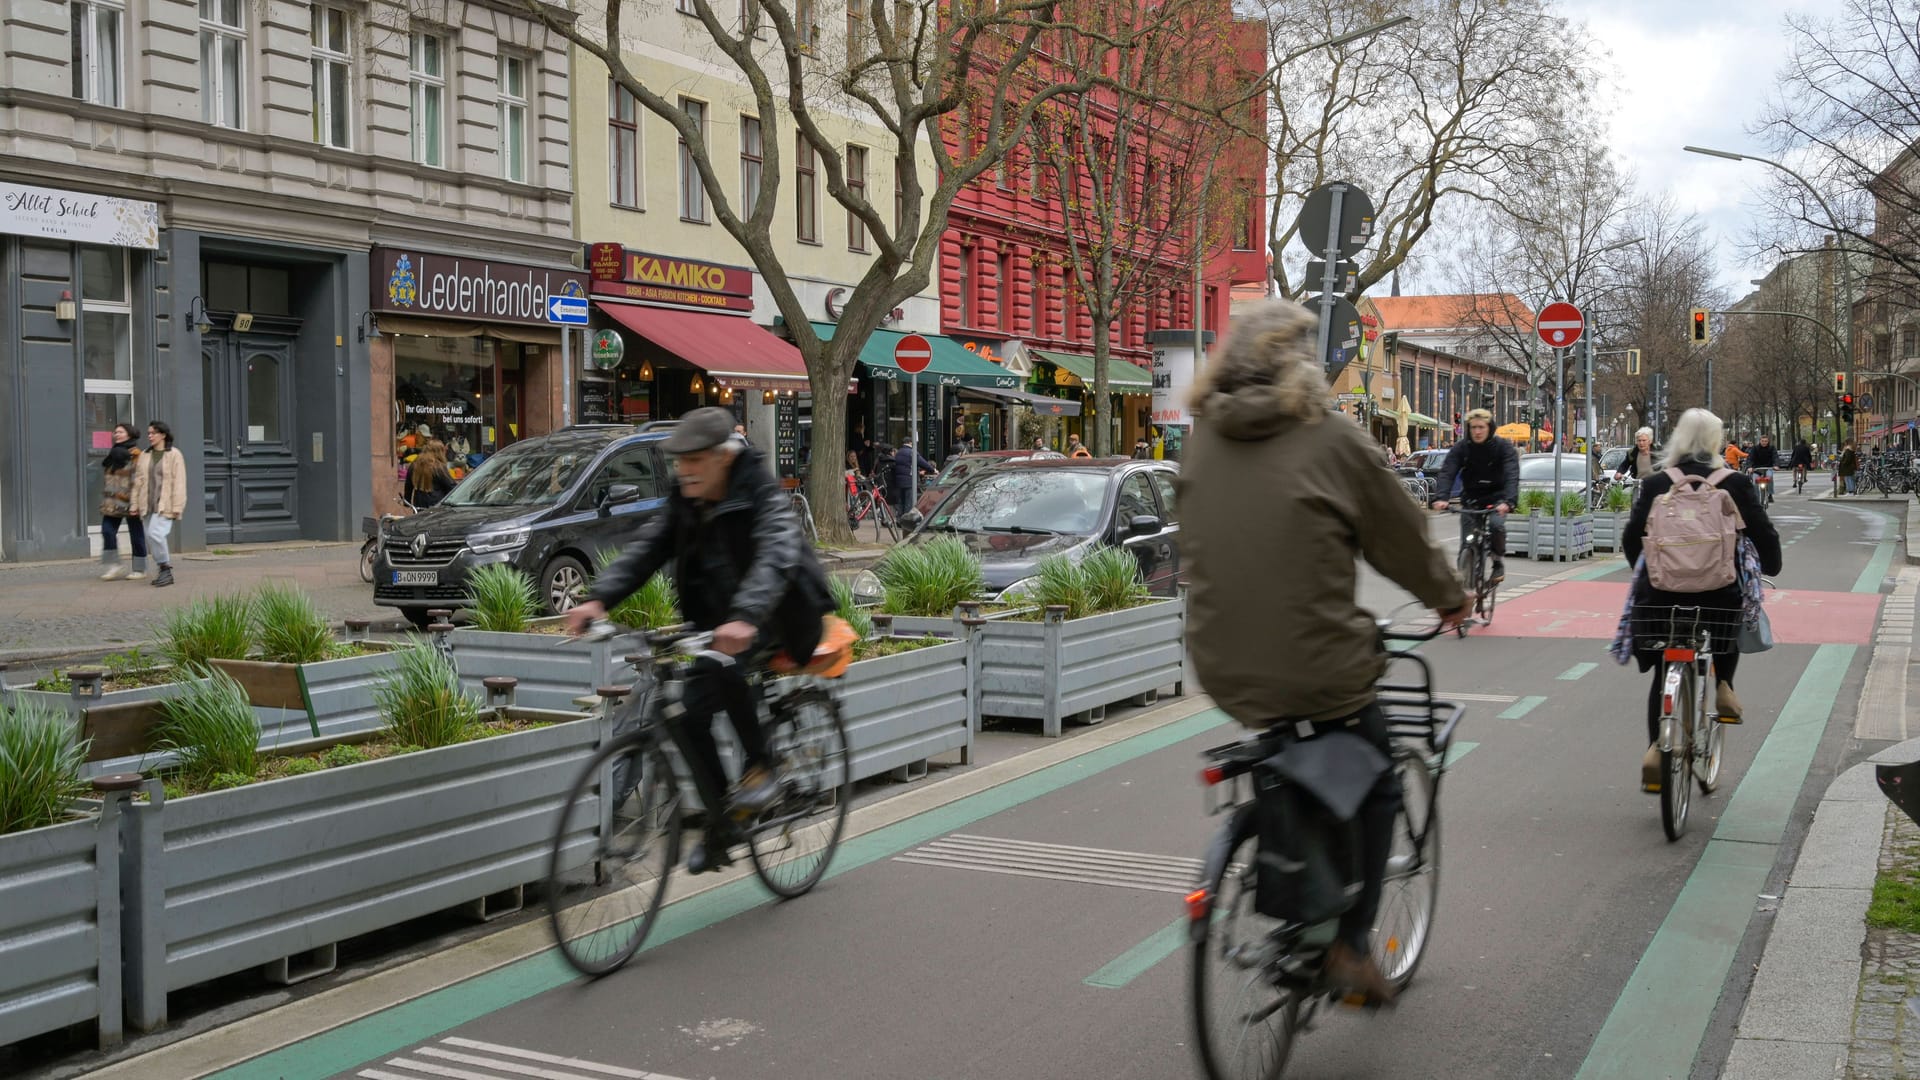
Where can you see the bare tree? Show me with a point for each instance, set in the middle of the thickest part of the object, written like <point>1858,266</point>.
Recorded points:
<point>1465,101</point>
<point>914,68</point>
<point>1670,271</point>
<point>1151,179</point>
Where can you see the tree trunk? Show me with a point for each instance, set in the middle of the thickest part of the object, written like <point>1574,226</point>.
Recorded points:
<point>1102,403</point>
<point>827,459</point>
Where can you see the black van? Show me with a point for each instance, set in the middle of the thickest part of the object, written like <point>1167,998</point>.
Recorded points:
<point>548,505</point>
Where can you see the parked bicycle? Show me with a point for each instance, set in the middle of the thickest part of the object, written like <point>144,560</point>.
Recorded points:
<point>1690,735</point>
<point>866,500</point>
<point>1257,982</point>
<point>618,838</point>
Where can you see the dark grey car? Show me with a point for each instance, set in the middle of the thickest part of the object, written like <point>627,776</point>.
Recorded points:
<point>1014,515</point>
<point>549,505</point>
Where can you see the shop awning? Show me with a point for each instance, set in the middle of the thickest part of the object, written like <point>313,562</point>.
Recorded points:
<point>1122,377</point>
<point>728,347</point>
<point>1422,420</point>
<point>1041,403</point>
<point>952,364</point>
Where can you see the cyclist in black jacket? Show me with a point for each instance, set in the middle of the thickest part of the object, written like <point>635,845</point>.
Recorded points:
<point>1489,470</point>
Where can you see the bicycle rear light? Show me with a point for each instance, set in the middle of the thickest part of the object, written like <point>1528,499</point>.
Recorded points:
<point>1198,904</point>
<point>1213,774</point>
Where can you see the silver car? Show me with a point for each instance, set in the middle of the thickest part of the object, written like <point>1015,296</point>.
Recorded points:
<point>1536,472</point>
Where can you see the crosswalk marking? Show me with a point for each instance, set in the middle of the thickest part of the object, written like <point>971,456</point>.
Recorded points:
<point>498,1062</point>
<point>1058,862</point>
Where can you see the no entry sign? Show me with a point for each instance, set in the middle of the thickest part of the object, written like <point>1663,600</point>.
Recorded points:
<point>1560,325</point>
<point>913,354</point>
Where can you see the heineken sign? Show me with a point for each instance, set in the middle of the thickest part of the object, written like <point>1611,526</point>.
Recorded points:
<point>608,349</point>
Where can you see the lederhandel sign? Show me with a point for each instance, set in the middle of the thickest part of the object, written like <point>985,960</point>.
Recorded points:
<point>620,272</point>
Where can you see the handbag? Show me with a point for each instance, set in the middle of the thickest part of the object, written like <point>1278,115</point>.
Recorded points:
<point>1756,632</point>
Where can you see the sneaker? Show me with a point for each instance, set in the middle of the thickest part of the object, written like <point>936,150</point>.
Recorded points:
<point>1725,705</point>
<point>710,853</point>
<point>1650,771</point>
<point>114,572</point>
<point>1360,975</point>
<point>165,577</point>
<point>757,792</point>
<point>1499,572</point>
<point>137,575</point>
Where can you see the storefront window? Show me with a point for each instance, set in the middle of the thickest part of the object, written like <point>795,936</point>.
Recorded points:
<point>466,392</point>
<point>263,398</point>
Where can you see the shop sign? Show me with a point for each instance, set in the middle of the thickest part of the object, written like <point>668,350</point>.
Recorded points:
<point>413,282</point>
<point>642,275</point>
<point>835,307</point>
<point>76,216</point>
<point>608,349</point>
<point>1172,377</point>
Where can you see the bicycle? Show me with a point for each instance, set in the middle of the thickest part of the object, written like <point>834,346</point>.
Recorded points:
<point>1763,484</point>
<point>374,527</point>
<point>866,500</point>
<point>1690,738</point>
<point>1475,564</point>
<point>1799,479</point>
<point>1257,982</point>
<point>617,841</point>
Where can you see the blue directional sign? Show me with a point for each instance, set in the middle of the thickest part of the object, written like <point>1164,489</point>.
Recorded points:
<point>567,310</point>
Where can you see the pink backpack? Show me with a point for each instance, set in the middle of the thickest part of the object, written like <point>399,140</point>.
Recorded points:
<point>1692,534</point>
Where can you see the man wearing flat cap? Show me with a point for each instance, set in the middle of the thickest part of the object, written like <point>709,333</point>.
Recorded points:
<point>744,570</point>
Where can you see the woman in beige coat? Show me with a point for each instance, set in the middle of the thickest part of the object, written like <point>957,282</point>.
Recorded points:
<point>160,495</point>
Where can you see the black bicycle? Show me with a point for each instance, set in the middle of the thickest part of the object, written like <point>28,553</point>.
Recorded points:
<point>1257,982</point>
<point>1475,564</point>
<point>618,838</point>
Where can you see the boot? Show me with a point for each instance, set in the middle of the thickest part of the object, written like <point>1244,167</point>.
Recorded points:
<point>1359,974</point>
<point>1499,571</point>
<point>115,568</point>
<point>1725,704</point>
<point>1650,770</point>
<point>757,791</point>
<point>165,576</point>
<point>711,852</point>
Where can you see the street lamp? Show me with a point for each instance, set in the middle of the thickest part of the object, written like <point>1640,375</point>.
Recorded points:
<point>1846,259</point>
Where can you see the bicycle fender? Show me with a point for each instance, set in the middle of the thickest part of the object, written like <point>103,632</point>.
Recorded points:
<point>1219,850</point>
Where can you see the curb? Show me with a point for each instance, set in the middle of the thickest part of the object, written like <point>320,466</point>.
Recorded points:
<point>1798,1019</point>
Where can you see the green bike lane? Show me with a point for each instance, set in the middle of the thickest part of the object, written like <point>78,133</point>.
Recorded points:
<point>1555,952</point>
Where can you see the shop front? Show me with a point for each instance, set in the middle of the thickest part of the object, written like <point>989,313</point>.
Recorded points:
<point>1129,389</point>
<point>965,398</point>
<point>463,355</point>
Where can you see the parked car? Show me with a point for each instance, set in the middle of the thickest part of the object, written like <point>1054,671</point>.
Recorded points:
<point>961,466</point>
<point>1612,458</point>
<point>1013,515</point>
<point>548,505</point>
<point>1536,472</point>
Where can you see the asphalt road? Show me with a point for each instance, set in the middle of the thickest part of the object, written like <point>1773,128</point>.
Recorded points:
<point>1572,940</point>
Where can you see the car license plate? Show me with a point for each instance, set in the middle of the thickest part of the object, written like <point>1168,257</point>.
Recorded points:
<point>416,577</point>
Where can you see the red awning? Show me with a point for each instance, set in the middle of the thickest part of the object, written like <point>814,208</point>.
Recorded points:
<point>730,348</point>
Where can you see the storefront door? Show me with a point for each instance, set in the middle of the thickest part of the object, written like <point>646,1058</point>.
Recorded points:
<point>249,454</point>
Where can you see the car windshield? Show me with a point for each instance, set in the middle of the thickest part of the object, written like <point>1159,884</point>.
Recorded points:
<point>1020,500</point>
<point>521,478</point>
<point>1540,469</point>
<point>957,470</point>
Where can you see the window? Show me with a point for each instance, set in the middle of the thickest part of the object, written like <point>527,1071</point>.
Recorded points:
<point>856,34</point>
<point>1163,486</point>
<point>964,287</point>
<point>806,210</point>
<point>332,73</point>
<point>805,30</point>
<point>223,50</point>
<point>857,188</point>
<point>1038,317</point>
<point>1003,293</point>
<point>623,146</point>
<point>513,118</point>
<point>108,380</point>
<point>1243,237</point>
<point>693,197</point>
<point>634,465</point>
<point>427,78</point>
<point>753,160</point>
<point>1136,500</point>
<point>96,50</point>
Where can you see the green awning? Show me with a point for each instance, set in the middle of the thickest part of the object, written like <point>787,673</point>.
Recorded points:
<point>1422,420</point>
<point>952,364</point>
<point>1122,377</point>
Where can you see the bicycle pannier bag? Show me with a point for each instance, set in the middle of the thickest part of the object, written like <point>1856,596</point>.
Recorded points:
<point>1692,531</point>
<point>1307,802</point>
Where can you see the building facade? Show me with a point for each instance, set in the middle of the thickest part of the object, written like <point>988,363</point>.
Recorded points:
<point>295,231</point>
<point>1432,359</point>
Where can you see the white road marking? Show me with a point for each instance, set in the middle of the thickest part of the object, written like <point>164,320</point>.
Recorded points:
<point>499,1062</point>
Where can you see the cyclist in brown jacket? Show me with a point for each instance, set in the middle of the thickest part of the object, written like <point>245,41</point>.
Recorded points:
<point>1278,499</point>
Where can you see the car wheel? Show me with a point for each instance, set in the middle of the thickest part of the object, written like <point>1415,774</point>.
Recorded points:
<point>563,584</point>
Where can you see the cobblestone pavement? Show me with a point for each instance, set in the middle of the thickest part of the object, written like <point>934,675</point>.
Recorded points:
<point>1886,1032</point>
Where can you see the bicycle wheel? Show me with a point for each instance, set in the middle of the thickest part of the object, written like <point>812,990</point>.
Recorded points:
<point>792,842</point>
<point>1244,1017</point>
<point>1411,889</point>
<point>1489,595</point>
<point>1708,732</point>
<point>1676,785</point>
<point>607,876</point>
<point>1468,563</point>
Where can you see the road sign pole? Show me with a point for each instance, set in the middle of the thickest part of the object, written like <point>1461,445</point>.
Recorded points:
<point>566,376</point>
<point>913,438</point>
<point>1329,277</point>
<point>1593,416</point>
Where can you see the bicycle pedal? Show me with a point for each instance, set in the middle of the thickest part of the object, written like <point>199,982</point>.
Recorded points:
<point>1729,719</point>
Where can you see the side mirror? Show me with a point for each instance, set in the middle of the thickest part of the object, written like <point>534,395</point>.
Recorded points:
<point>911,519</point>
<point>1143,525</point>
<point>617,495</point>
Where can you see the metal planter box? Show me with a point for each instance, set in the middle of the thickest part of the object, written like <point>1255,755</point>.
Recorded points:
<point>1057,667</point>
<point>229,880</point>
<point>907,707</point>
<point>553,670</point>
<point>1571,538</point>
<point>333,697</point>
<point>60,926</point>
<point>115,720</point>
<point>1520,532</point>
<point>1608,529</point>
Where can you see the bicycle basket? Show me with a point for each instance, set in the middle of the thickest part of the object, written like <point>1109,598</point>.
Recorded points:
<point>1657,626</point>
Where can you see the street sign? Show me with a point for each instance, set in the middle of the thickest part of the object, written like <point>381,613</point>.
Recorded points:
<point>608,349</point>
<point>1345,274</point>
<point>913,354</point>
<point>567,310</point>
<point>1560,325</point>
<point>1343,341</point>
<point>1354,397</point>
<point>1316,214</point>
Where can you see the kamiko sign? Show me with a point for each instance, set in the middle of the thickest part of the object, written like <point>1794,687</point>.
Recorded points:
<point>457,287</point>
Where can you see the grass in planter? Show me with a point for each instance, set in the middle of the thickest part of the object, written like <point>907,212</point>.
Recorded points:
<point>1107,580</point>
<point>1572,504</point>
<point>211,727</point>
<point>872,649</point>
<point>655,605</point>
<point>1619,499</point>
<point>929,579</point>
<point>1534,500</point>
<point>421,702</point>
<point>214,628</point>
<point>289,629</point>
<point>124,671</point>
<point>39,767</point>
<point>503,599</point>
<point>847,606</point>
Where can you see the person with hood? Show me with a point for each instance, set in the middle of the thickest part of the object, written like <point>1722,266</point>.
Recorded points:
<point>1489,470</point>
<point>159,495</point>
<point>1848,466</point>
<point>116,509</point>
<point>744,570</point>
<point>1282,640</point>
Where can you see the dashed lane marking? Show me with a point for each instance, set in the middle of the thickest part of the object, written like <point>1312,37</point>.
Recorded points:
<point>1522,707</point>
<point>1576,671</point>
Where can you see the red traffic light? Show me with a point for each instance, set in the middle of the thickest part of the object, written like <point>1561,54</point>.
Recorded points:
<point>1846,399</point>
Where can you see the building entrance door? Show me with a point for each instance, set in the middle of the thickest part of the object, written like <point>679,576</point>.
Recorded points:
<point>248,458</point>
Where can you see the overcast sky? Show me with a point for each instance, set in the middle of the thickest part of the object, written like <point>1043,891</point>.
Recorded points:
<point>1693,72</point>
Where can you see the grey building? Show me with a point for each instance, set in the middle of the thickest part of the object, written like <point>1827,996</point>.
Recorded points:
<point>191,194</point>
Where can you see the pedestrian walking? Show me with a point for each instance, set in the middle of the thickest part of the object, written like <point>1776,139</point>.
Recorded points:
<point>905,460</point>
<point>1849,465</point>
<point>116,509</point>
<point>160,494</point>
<point>428,478</point>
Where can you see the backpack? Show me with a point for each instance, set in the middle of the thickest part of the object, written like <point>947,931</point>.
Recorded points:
<point>1692,533</point>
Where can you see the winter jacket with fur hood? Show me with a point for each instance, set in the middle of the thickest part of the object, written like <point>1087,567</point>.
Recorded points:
<point>1278,499</point>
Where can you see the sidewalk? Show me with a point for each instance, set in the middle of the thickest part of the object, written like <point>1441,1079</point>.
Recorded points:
<point>57,609</point>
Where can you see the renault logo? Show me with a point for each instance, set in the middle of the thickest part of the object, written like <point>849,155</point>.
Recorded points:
<point>419,546</point>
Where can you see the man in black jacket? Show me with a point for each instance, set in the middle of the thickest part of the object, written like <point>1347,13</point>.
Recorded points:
<point>1489,470</point>
<point>743,570</point>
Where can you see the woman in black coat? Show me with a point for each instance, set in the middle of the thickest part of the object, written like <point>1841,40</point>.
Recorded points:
<point>1694,449</point>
